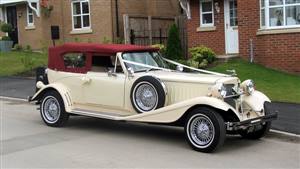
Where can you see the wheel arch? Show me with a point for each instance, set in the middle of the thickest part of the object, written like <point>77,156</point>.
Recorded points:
<point>227,115</point>
<point>60,89</point>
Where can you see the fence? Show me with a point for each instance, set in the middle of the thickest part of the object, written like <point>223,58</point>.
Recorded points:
<point>150,30</point>
<point>142,37</point>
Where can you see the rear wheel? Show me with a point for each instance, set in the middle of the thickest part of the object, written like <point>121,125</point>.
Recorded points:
<point>53,110</point>
<point>257,133</point>
<point>205,130</point>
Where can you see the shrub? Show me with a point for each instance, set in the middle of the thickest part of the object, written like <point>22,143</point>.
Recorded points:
<point>6,28</point>
<point>28,48</point>
<point>18,47</point>
<point>5,38</point>
<point>174,50</point>
<point>161,47</point>
<point>202,55</point>
<point>106,40</point>
<point>27,62</point>
<point>77,40</point>
<point>119,41</point>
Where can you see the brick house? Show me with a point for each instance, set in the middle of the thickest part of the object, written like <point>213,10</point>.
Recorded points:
<point>84,20</point>
<point>267,30</point>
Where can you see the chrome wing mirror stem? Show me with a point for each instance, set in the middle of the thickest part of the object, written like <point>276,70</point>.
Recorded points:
<point>111,73</point>
<point>130,72</point>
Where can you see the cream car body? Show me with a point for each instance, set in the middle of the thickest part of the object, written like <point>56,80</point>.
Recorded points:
<point>107,95</point>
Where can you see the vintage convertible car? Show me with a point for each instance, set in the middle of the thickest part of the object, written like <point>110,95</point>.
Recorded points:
<point>134,83</point>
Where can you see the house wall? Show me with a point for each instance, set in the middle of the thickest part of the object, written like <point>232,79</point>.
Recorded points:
<point>103,20</point>
<point>214,39</point>
<point>278,51</point>
<point>29,35</point>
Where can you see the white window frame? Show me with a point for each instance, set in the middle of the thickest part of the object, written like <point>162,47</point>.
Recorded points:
<point>81,14</point>
<point>1,14</point>
<point>31,14</point>
<point>267,7</point>
<point>211,12</point>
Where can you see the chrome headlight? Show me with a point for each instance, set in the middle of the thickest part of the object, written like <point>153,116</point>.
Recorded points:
<point>248,86</point>
<point>222,90</point>
<point>218,91</point>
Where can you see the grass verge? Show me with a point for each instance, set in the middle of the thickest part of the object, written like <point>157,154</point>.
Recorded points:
<point>279,86</point>
<point>19,62</point>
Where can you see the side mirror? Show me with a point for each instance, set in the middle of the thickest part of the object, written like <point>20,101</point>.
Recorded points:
<point>111,73</point>
<point>130,72</point>
<point>179,68</point>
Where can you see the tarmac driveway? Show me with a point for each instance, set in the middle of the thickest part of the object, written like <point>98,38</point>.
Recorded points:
<point>26,142</point>
<point>288,117</point>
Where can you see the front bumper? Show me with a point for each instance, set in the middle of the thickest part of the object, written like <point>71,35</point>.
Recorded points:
<point>269,116</point>
<point>251,122</point>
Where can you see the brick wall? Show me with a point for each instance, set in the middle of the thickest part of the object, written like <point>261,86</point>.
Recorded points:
<point>102,20</point>
<point>212,39</point>
<point>29,35</point>
<point>278,51</point>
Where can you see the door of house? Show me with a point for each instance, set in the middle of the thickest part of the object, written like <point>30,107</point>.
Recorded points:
<point>11,17</point>
<point>231,27</point>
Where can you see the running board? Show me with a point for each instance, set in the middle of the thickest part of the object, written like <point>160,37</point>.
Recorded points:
<point>110,116</point>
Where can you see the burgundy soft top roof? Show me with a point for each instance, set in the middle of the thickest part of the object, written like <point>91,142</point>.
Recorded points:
<point>110,49</point>
<point>55,60</point>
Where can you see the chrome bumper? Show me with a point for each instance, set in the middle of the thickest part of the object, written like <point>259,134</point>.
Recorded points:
<point>251,122</point>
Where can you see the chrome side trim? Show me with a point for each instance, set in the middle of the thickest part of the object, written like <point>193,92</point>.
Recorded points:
<point>110,116</point>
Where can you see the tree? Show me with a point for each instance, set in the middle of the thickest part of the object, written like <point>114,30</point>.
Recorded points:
<point>174,50</point>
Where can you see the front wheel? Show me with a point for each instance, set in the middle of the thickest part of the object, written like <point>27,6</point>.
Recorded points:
<point>53,110</point>
<point>258,132</point>
<point>205,130</point>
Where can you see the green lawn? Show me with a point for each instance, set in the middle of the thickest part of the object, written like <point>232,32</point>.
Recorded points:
<point>277,85</point>
<point>16,62</point>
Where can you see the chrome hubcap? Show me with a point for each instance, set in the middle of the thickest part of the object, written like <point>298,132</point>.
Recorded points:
<point>51,109</point>
<point>202,131</point>
<point>146,97</point>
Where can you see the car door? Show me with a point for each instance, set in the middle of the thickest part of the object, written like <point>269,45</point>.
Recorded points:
<point>104,90</point>
<point>103,86</point>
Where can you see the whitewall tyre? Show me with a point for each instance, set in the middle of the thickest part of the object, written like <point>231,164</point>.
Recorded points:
<point>147,94</point>
<point>205,129</point>
<point>52,109</point>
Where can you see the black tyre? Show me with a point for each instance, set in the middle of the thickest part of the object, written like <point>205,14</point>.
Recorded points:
<point>147,94</point>
<point>257,133</point>
<point>52,109</point>
<point>205,130</point>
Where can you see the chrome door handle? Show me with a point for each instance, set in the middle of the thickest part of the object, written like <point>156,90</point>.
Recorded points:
<point>86,80</point>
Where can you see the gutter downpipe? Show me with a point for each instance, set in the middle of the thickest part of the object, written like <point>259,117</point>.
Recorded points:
<point>117,18</point>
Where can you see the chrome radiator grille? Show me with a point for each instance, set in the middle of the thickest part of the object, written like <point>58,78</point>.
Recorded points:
<point>229,92</point>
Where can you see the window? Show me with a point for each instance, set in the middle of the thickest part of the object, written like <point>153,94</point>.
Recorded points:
<point>81,14</point>
<point>74,60</point>
<point>233,13</point>
<point>279,13</point>
<point>206,13</point>
<point>102,63</point>
<point>30,15</point>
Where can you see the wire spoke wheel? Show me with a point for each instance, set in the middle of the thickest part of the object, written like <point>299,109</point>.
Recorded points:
<point>202,131</point>
<point>51,109</point>
<point>205,129</point>
<point>145,96</point>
